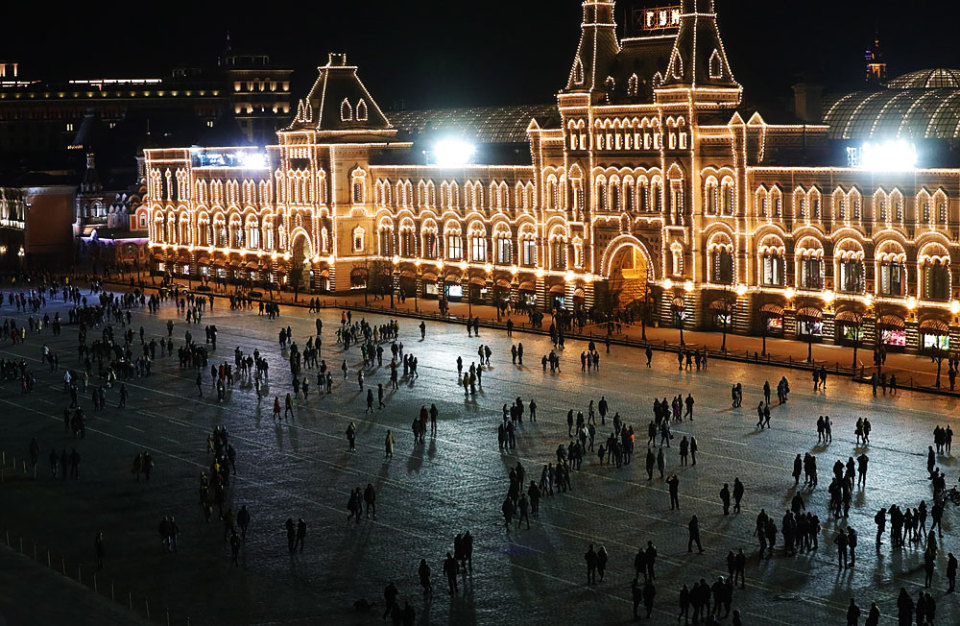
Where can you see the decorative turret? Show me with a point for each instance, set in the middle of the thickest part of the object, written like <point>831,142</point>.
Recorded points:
<point>598,47</point>
<point>91,179</point>
<point>698,61</point>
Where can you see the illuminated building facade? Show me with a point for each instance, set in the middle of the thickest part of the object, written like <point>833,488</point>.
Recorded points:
<point>651,187</point>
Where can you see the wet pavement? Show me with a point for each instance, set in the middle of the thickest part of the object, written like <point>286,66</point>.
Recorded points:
<point>455,482</point>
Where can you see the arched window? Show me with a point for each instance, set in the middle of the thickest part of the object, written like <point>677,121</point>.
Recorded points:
<point>601,194</point>
<point>676,255</point>
<point>614,194</point>
<point>815,206</point>
<point>940,202</point>
<point>359,239</point>
<point>578,72</point>
<point>478,245</point>
<point>776,203</point>
<point>880,208</point>
<point>346,111</point>
<point>454,243</point>
<point>203,230</point>
<point>923,207</point>
<point>528,246</point>
<point>431,242</point>
<point>656,194</point>
<point>361,111</point>
<point>761,203</point>
<point>800,204</point>
<point>722,266</point>
<point>936,281</point>
<point>386,240</point>
<point>268,232</point>
<point>896,200</point>
<point>504,245</point>
<point>710,197</point>
<point>840,205</point>
<point>359,176</point>
<point>728,197</point>
<point>578,252</point>
<point>253,233</point>
<point>716,65</point>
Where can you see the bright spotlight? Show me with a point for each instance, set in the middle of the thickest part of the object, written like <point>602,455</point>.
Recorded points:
<point>453,152</point>
<point>888,156</point>
<point>252,160</point>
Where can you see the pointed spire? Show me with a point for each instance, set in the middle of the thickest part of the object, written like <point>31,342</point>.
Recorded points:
<point>698,60</point>
<point>598,48</point>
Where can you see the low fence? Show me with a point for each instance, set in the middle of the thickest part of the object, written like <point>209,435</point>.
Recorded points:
<point>137,603</point>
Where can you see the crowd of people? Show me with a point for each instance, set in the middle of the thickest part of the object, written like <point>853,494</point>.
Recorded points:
<point>110,353</point>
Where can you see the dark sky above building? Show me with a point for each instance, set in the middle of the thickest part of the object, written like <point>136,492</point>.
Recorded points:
<point>426,53</point>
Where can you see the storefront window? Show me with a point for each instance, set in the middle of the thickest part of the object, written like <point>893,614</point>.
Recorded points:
<point>809,327</point>
<point>930,341</point>
<point>893,338</point>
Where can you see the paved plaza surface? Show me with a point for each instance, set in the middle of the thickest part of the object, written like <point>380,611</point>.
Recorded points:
<point>454,483</point>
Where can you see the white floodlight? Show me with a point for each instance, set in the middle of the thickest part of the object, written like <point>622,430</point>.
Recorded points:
<point>889,156</point>
<point>453,152</point>
<point>252,160</point>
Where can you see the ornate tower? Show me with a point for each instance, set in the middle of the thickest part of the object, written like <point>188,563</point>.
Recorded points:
<point>598,47</point>
<point>698,70</point>
<point>876,65</point>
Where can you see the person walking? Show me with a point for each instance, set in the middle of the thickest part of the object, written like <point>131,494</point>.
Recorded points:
<point>725,498</point>
<point>951,572</point>
<point>649,593</point>
<point>737,494</point>
<point>853,613</point>
<point>674,486</point>
<point>352,436</point>
<point>388,445</point>
<point>99,548</point>
<point>693,529</point>
<point>450,569</point>
<point>591,558</point>
<point>424,573</point>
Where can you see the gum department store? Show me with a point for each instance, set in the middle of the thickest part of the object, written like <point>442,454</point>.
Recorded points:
<point>650,185</point>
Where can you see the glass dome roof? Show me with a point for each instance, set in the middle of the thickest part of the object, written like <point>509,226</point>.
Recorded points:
<point>936,78</point>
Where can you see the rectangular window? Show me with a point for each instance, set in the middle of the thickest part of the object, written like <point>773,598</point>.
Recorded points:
<point>454,247</point>
<point>772,271</point>
<point>478,249</point>
<point>504,251</point>
<point>529,252</point>
<point>810,270</point>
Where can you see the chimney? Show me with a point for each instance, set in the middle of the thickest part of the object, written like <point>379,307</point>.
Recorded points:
<point>808,102</point>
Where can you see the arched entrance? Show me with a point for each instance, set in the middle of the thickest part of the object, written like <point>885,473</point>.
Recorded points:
<point>630,274</point>
<point>299,275</point>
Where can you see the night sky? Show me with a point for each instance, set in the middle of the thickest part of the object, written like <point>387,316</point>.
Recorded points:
<point>429,53</point>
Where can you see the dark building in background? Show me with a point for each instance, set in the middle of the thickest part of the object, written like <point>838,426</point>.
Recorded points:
<point>40,117</point>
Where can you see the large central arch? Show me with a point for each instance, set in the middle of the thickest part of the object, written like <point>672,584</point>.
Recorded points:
<point>300,265</point>
<point>629,268</point>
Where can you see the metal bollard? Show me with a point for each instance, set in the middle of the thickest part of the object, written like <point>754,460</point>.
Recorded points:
<point>146,603</point>
<point>94,583</point>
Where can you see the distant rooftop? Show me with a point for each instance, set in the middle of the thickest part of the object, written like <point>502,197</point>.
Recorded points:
<point>482,125</point>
